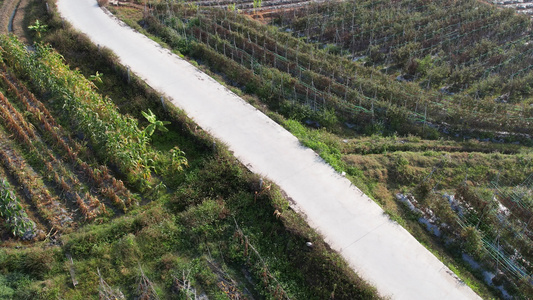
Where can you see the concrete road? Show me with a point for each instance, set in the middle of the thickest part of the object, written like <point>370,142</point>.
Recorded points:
<point>378,249</point>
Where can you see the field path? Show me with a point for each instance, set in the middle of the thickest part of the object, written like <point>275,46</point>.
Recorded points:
<point>6,11</point>
<point>378,249</point>
<point>18,21</point>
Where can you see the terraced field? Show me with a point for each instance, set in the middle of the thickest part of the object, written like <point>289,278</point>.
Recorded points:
<point>315,75</point>
<point>521,6</point>
<point>426,107</point>
<point>251,5</point>
<point>55,176</point>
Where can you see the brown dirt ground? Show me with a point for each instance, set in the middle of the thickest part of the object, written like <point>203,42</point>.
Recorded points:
<point>5,14</point>
<point>6,10</point>
<point>18,22</point>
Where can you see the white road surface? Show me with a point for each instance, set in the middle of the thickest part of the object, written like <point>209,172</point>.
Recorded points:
<point>378,249</point>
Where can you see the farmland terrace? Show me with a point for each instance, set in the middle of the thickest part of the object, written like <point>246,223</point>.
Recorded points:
<point>452,71</point>
<point>426,107</point>
<point>251,5</point>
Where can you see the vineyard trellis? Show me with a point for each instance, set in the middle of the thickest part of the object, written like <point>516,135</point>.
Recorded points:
<point>510,36</point>
<point>320,80</point>
<point>501,218</point>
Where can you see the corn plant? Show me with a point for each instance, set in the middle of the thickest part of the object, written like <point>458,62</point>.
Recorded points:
<point>178,159</point>
<point>70,148</point>
<point>97,78</point>
<point>17,220</point>
<point>39,28</point>
<point>154,123</point>
<point>117,138</point>
<point>258,3</point>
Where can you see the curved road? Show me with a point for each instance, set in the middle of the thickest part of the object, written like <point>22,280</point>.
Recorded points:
<point>378,249</point>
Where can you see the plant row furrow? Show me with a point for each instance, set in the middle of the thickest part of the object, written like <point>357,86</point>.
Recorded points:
<point>107,185</point>
<point>32,186</point>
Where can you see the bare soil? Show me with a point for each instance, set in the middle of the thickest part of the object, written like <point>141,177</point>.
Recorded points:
<point>19,27</point>
<point>6,10</point>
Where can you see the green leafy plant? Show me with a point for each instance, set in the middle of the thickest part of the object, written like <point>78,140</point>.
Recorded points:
<point>117,138</point>
<point>96,78</point>
<point>39,28</point>
<point>17,220</point>
<point>154,123</point>
<point>178,159</point>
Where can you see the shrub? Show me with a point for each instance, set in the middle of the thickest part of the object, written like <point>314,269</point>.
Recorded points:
<point>472,242</point>
<point>37,262</point>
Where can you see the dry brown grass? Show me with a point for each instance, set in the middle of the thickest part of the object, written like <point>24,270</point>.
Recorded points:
<point>362,162</point>
<point>382,193</point>
<point>380,175</point>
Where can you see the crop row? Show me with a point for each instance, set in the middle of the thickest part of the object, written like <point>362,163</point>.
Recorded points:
<point>115,137</point>
<point>467,42</point>
<point>73,153</point>
<point>252,5</point>
<point>49,162</point>
<point>33,188</point>
<point>53,169</point>
<point>325,81</point>
<point>503,236</point>
<point>15,216</point>
<point>77,170</point>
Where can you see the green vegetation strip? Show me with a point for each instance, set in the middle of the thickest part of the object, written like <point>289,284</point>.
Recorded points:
<point>12,212</point>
